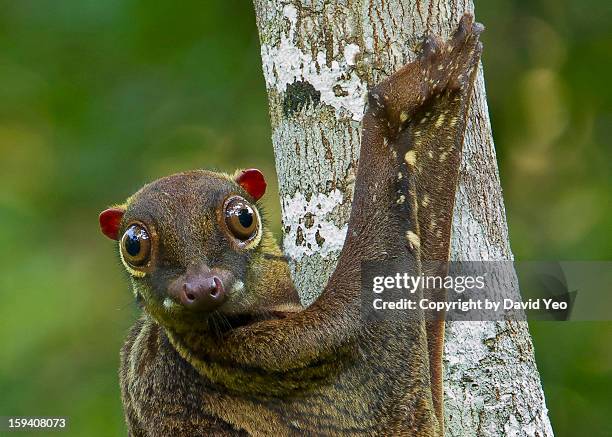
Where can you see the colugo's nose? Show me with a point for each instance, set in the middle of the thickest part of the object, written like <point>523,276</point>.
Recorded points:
<point>202,292</point>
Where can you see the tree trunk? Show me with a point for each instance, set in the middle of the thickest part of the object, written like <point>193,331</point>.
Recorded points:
<point>319,58</point>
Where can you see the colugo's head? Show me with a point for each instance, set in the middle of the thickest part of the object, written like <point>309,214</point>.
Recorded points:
<point>195,245</point>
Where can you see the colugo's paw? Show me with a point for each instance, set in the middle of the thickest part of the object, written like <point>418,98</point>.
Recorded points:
<point>451,64</point>
<point>441,66</point>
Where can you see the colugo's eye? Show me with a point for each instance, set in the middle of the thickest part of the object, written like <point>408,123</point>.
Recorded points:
<point>241,219</point>
<point>136,245</point>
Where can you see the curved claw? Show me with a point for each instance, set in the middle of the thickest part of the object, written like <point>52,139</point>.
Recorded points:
<point>467,29</point>
<point>478,28</point>
<point>464,27</point>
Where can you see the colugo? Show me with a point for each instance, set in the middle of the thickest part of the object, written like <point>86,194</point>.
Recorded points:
<point>224,347</point>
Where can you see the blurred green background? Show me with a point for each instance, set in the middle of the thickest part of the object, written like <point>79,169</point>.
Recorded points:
<point>98,97</point>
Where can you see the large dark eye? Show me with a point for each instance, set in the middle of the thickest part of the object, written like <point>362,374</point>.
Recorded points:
<point>136,245</point>
<point>241,219</point>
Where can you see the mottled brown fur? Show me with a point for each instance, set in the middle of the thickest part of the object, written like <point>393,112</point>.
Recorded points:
<point>322,370</point>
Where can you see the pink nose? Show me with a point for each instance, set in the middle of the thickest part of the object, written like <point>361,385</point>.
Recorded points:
<point>202,293</point>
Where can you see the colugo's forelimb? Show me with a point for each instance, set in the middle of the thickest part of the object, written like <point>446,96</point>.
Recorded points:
<point>405,188</point>
<point>425,105</point>
<point>427,126</point>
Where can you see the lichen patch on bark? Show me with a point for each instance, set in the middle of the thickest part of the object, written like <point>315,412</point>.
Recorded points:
<point>315,231</point>
<point>336,81</point>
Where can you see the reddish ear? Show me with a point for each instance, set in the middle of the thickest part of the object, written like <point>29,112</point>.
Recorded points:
<point>110,219</point>
<point>252,180</point>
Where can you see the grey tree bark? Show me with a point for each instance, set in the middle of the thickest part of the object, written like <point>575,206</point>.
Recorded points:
<point>319,57</point>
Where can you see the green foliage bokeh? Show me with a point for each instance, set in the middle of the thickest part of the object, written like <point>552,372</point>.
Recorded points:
<point>97,98</point>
